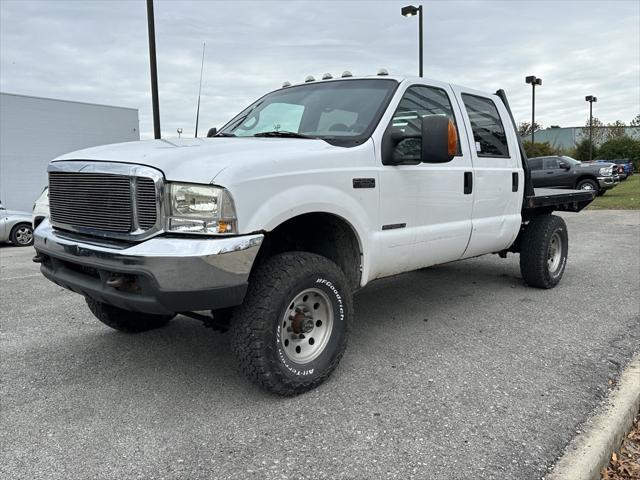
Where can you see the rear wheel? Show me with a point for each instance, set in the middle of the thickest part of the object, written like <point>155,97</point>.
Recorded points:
<point>588,184</point>
<point>291,331</point>
<point>22,235</point>
<point>125,320</point>
<point>543,251</point>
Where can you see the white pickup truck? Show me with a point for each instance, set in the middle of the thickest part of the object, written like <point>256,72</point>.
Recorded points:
<point>270,224</point>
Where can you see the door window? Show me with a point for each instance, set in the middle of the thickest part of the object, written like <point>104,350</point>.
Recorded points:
<point>488,131</point>
<point>535,163</point>
<point>551,163</point>
<point>418,102</point>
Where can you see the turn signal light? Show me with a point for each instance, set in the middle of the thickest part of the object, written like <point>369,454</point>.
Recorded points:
<point>452,139</point>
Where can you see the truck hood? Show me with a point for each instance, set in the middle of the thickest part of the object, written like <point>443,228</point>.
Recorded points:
<point>199,160</point>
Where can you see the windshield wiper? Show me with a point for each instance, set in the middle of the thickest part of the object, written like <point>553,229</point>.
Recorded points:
<point>283,134</point>
<point>224,134</point>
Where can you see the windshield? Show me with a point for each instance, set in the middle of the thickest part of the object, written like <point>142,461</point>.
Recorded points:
<point>342,112</point>
<point>570,160</point>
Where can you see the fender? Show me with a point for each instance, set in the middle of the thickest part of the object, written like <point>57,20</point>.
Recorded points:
<point>285,205</point>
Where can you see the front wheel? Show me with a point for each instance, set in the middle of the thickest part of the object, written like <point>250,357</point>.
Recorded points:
<point>588,184</point>
<point>22,235</point>
<point>543,251</point>
<point>291,331</point>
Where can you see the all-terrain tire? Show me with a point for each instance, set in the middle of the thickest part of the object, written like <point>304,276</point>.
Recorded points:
<point>259,326</point>
<point>22,235</point>
<point>543,251</point>
<point>125,320</point>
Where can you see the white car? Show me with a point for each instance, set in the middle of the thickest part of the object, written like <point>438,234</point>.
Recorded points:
<point>15,227</point>
<point>41,208</point>
<point>306,196</point>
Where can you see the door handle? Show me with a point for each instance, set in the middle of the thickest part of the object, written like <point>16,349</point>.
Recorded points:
<point>549,173</point>
<point>514,181</point>
<point>468,182</point>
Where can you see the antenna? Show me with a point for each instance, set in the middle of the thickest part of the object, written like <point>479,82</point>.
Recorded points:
<point>200,90</point>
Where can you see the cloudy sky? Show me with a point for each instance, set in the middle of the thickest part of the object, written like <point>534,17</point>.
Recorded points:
<point>97,51</point>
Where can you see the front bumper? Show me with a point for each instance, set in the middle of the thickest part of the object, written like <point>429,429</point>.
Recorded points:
<point>608,182</point>
<point>162,275</point>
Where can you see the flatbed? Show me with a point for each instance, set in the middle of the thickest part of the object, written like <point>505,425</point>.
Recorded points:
<point>550,199</point>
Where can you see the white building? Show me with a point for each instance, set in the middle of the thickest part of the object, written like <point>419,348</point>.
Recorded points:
<point>34,130</point>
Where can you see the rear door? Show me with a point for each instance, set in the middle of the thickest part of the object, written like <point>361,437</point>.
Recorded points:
<point>498,179</point>
<point>551,175</point>
<point>535,166</point>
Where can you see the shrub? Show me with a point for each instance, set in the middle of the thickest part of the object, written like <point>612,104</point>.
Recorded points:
<point>537,149</point>
<point>621,148</point>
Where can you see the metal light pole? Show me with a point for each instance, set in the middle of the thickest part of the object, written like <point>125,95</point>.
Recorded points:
<point>590,99</point>
<point>410,11</point>
<point>154,70</point>
<point>533,80</point>
<point>200,89</point>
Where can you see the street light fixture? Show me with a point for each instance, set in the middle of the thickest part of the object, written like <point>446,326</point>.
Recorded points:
<point>533,80</point>
<point>411,11</point>
<point>591,99</point>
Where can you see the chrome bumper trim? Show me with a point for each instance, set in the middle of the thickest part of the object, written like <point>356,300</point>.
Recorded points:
<point>174,264</point>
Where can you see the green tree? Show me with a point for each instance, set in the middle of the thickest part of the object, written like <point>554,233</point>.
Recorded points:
<point>635,124</point>
<point>619,148</point>
<point>599,133</point>
<point>581,151</point>
<point>616,129</point>
<point>524,128</point>
<point>543,149</point>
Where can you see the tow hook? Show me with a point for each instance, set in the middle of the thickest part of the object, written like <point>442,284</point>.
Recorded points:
<point>39,258</point>
<point>115,281</point>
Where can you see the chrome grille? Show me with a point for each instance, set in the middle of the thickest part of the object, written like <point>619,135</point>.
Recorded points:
<point>92,201</point>
<point>146,203</point>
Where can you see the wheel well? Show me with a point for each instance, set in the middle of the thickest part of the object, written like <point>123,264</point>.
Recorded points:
<point>19,224</point>
<point>321,233</point>
<point>586,177</point>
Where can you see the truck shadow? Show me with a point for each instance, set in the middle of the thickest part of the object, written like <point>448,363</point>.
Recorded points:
<point>186,357</point>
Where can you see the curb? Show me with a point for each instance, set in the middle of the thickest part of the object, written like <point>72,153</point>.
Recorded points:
<point>589,452</point>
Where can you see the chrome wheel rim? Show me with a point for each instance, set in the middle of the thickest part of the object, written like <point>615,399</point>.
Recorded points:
<point>554,256</point>
<point>24,235</point>
<point>305,328</point>
<point>586,186</point>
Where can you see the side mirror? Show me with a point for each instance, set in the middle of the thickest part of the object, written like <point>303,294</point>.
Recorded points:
<point>564,166</point>
<point>439,140</point>
<point>212,132</point>
<point>436,143</point>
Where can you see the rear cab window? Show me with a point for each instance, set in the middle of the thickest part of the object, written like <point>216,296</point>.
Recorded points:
<point>489,134</point>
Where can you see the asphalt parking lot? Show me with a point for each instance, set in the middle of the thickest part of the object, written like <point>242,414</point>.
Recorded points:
<point>454,372</point>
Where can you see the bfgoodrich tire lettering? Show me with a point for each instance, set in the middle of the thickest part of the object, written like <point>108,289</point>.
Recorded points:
<point>272,314</point>
<point>543,251</point>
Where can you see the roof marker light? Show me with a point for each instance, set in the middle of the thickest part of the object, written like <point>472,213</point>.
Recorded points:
<point>327,76</point>
<point>286,84</point>
<point>383,72</point>
<point>346,74</point>
<point>309,79</point>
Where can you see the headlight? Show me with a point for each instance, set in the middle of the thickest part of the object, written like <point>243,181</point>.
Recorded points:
<point>606,171</point>
<point>200,209</point>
